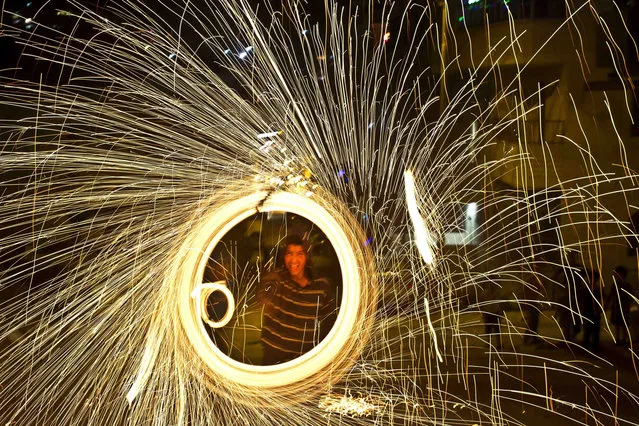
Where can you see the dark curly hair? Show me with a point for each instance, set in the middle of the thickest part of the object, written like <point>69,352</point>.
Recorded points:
<point>296,240</point>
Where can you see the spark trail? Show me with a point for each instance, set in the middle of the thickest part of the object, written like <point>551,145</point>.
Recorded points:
<point>153,122</point>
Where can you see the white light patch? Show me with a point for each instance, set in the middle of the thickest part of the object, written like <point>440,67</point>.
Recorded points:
<point>423,239</point>
<point>268,134</point>
<point>471,209</point>
<point>350,406</point>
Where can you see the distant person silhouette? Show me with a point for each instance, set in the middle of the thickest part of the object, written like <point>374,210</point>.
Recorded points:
<point>619,300</point>
<point>591,311</point>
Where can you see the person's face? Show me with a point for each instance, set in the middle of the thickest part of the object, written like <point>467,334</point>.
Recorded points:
<point>295,260</point>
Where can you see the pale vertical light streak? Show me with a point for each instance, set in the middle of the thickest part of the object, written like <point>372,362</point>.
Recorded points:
<point>151,350</point>
<point>433,333</point>
<point>422,237</point>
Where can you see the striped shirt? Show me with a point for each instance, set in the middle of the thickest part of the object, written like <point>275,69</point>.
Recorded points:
<point>295,318</point>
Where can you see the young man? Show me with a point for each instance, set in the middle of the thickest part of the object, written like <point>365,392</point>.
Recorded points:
<point>299,311</point>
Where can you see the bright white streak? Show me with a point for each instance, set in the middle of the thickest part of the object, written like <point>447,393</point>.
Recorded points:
<point>144,372</point>
<point>268,135</point>
<point>423,239</point>
<point>432,330</point>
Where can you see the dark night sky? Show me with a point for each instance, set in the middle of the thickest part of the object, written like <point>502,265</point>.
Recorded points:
<point>47,15</point>
<point>15,65</point>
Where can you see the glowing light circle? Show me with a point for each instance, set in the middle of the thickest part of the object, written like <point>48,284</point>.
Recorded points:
<point>201,295</point>
<point>211,229</point>
<point>208,234</point>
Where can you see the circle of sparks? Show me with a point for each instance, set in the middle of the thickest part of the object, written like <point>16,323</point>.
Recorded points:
<point>196,251</point>
<point>201,294</point>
